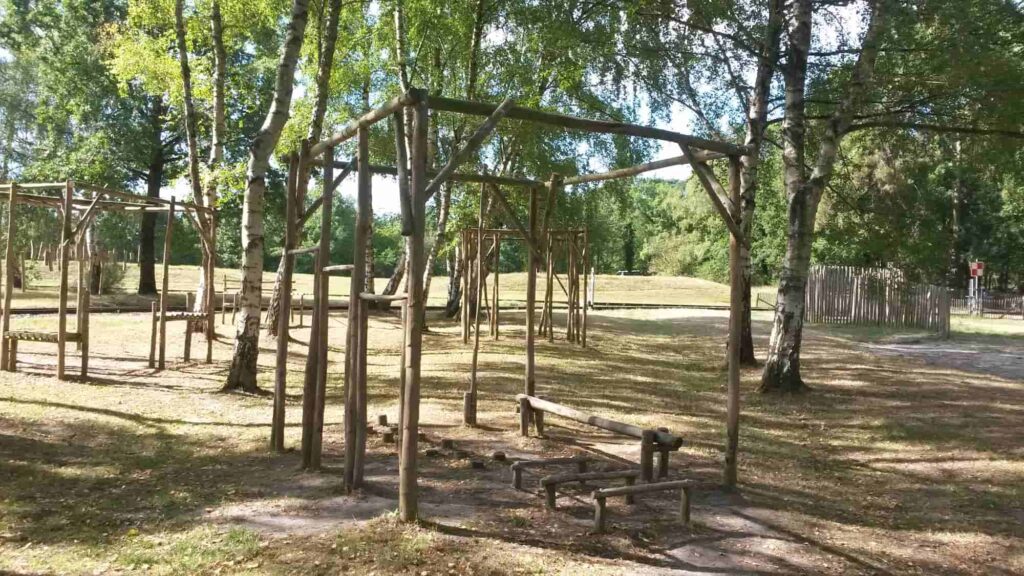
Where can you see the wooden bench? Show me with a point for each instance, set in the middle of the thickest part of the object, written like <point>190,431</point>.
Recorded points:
<point>517,467</point>
<point>601,513</point>
<point>532,408</point>
<point>551,483</point>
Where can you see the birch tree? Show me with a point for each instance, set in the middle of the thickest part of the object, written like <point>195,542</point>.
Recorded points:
<point>328,33</point>
<point>242,374</point>
<point>804,187</point>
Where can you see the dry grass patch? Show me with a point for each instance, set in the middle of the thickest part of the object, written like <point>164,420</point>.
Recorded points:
<point>889,465</point>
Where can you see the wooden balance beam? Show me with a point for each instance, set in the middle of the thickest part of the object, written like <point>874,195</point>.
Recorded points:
<point>517,467</point>
<point>601,513</point>
<point>551,483</point>
<point>651,441</point>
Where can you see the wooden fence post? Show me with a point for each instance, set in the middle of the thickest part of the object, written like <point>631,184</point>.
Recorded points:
<point>168,230</point>
<point>9,274</point>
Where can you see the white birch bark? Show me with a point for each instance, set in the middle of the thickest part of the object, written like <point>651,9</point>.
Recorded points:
<point>782,369</point>
<point>242,374</point>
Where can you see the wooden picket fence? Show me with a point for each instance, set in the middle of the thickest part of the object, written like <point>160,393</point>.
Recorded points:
<point>1004,306</point>
<point>875,296</point>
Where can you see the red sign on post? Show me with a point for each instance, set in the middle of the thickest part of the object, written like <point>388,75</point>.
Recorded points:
<point>977,269</point>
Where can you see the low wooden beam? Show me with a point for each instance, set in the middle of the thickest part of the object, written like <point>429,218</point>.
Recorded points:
<point>660,437</point>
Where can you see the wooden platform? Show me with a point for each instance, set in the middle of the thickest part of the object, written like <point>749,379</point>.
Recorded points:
<point>32,336</point>
<point>186,316</point>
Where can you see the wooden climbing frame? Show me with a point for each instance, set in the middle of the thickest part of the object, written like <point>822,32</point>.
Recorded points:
<point>74,245</point>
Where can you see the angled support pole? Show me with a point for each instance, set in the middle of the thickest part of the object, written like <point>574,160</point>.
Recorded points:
<point>474,142</point>
<point>712,187</point>
<point>83,223</point>
<point>319,201</point>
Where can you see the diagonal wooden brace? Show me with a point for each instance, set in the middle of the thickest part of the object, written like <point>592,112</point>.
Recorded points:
<point>475,141</point>
<point>708,182</point>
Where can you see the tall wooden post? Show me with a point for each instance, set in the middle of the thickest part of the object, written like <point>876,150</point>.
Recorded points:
<point>586,286</point>
<point>164,284</point>
<point>495,305</point>
<point>408,488</point>
<point>355,387</point>
<point>83,331</point>
<point>62,298</point>
<point>323,302</point>
<point>736,266</point>
<point>531,298</point>
<point>211,295</point>
<point>9,276</point>
<point>187,356</point>
<point>470,401</point>
<point>549,292</point>
<point>281,369</point>
<point>152,335</point>
<point>311,371</point>
<point>464,262</point>
<point>83,287</point>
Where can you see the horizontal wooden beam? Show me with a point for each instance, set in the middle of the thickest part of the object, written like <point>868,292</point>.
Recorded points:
<point>583,124</point>
<point>338,268</point>
<point>371,297</point>
<point>640,168</point>
<point>305,250</point>
<point>413,96</point>
<point>474,142</point>
<point>505,232</point>
<point>478,178</point>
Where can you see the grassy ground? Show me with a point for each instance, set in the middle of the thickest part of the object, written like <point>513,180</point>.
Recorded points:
<point>890,465</point>
<point>42,291</point>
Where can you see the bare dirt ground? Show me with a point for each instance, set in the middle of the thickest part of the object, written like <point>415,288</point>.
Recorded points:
<point>982,356</point>
<point>891,465</point>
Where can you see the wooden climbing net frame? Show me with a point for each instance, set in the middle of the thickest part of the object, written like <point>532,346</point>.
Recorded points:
<point>416,184</point>
<point>78,204</point>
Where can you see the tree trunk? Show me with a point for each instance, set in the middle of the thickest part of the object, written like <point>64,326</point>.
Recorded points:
<point>454,267</point>
<point>154,178</point>
<point>757,117</point>
<point>782,369</point>
<point>316,128</point>
<point>246,353</point>
<point>204,299</point>
<point>402,67</point>
<point>202,219</point>
<point>443,205</point>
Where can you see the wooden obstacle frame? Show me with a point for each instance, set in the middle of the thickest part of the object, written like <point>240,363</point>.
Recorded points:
<point>573,246</point>
<point>416,184</point>
<point>73,246</point>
